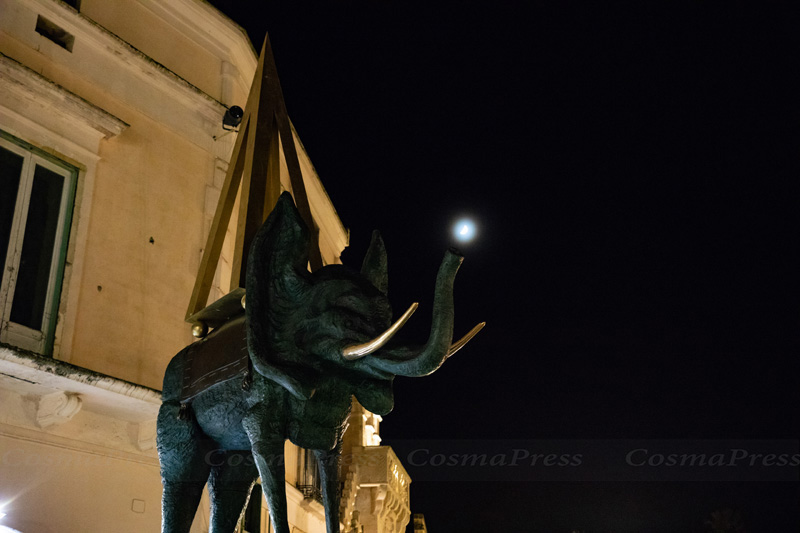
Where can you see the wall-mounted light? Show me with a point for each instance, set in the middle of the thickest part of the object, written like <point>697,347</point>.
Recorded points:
<point>232,118</point>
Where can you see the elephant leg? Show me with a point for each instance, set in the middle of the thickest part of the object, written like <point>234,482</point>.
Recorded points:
<point>182,451</point>
<point>268,454</point>
<point>328,463</point>
<point>229,486</point>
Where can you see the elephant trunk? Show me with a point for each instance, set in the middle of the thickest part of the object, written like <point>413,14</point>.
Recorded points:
<point>415,362</point>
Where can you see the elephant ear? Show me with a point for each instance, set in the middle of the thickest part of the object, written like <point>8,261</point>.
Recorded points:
<point>277,281</point>
<point>375,265</point>
<point>376,395</point>
<point>279,254</point>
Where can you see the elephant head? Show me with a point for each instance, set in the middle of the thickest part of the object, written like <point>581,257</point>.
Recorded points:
<point>302,326</point>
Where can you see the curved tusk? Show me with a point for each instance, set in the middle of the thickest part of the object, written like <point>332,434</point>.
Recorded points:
<point>357,351</point>
<point>456,346</point>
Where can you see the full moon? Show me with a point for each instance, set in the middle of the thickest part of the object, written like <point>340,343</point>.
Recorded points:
<point>464,230</point>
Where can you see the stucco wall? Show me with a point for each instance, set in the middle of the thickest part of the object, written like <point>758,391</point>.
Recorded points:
<point>123,306</point>
<point>144,198</point>
<point>115,494</point>
<point>85,474</point>
<point>128,300</point>
<point>141,27</point>
<point>133,295</point>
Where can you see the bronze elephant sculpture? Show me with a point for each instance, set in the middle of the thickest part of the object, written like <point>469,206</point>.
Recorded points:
<point>314,340</point>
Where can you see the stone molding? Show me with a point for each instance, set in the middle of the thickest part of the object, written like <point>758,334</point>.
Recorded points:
<point>155,89</point>
<point>98,392</point>
<point>24,434</point>
<point>349,493</point>
<point>100,37</point>
<point>378,486</point>
<point>49,393</point>
<point>143,434</point>
<point>213,30</point>
<point>17,79</point>
<point>55,408</point>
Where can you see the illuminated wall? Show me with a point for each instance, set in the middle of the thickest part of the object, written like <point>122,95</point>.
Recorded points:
<point>128,96</point>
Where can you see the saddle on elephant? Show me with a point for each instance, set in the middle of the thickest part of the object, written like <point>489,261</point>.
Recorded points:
<point>205,368</point>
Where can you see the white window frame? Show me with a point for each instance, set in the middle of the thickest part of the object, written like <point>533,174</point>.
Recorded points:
<point>39,341</point>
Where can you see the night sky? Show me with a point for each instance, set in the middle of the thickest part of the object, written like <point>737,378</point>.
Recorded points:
<point>632,174</point>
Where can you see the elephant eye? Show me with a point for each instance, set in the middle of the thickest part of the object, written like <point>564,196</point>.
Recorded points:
<point>350,306</point>
<point>353,322</point>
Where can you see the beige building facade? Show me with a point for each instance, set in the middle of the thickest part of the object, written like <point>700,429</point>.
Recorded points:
<point>112,156</point>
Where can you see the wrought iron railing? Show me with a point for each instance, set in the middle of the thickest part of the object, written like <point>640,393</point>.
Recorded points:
<point>308,480</point>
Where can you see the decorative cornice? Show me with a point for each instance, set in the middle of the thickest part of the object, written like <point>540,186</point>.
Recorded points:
<point>182,107</point>
<point>206,25</point>
<point>16,78</point>
<point>52,392</point>
<point>100,36</point>
<point>40,370</point>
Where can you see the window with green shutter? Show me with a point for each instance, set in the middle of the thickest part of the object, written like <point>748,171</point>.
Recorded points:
<point>36,200</point>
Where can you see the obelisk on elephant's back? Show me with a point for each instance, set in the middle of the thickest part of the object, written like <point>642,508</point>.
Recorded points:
<point>265,137</point>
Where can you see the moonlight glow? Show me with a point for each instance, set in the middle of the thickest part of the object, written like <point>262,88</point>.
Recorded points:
<point>464,230</point>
